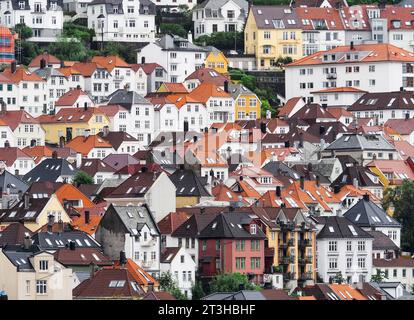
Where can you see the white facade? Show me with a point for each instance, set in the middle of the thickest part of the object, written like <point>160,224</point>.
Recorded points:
<point>351,257</point>
<point>44,17</point>
<point>321,40</point>
<point>133,21</point>
<point>182,267</point>
<point>209,18</point>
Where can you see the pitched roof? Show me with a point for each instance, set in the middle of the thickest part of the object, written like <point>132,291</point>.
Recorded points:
<point>21,213</point>
<point>264,16</point>
<point>71,115</point>
<point>404,148</point>
<point>188,184</point>
<point>38,152</point>
<point>400,168</point>
<point>116,138</point>
<point>126,98</point>
<point>14,233</point>
<point>81,257</point>
<point>86,69</point>
<point>400,100</point>
<point>172,87</point>
<point>346,292</point>
<point>21,74</point>
<point>16,117</point>
<point>110,62</point>
<point>340,89</point>
<point>11,183</point>
<point>287,108</point>
<point>56,240</point>
<point>195,224</point>
<point>402,126</point>
<point>148,68</point>
<point>401,262</point>
<point>320,18</point>
<point>70,97</point>
<point>361,142</point>
<point>365,213</point>
<point>172,221</point>
<point>93,166</point>
<point>207,75</point>
<point>207,90</point>
<point>49,58</point>
<point>158,295</point>
<point>119,161</point>
<point>382,241</point>
<point>10,154</point>
<point>168,254</point>
<point>368,53</point>
<point>340,228</point>
<point>142,277</point>
<point>50,169</point>
<point>84,144</point>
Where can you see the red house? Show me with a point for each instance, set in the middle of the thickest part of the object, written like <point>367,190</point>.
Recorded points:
<point>232,242</point>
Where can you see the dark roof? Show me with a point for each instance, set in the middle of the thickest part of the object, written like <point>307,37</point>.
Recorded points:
<point>21,213</point>
<point>19,256</point>
<point>328,131</point>
<point>194,225</point>
<point>50,169</point>
<point>135,186</point>
<point>231,225</point>
<point>81,257</point>
<point>126,99</point>
<point>168,254</point>
<point>93,166</point>
<point>361,174</point>
<point>366,213</point>
<point>384,101</point>
<point>116,138</point>
<point>401,262</point>
<point>310,113</point>
<point>120,160</point>
<point>58,240</point>
<point>361,142</point>
<point>239,295</point>
<point>12,183</point>
<point>109,283</point>
<point>14,234</point>
<point>339,228</point>
<point>188,184</point>
<point>276,294</point>
<point>382,241</point>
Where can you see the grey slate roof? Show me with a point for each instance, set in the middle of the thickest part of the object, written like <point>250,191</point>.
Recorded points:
<point>172,42</point>
<point>351,172</point>
<point>365,213</point>
<point>274,167</point>
<point>188,184</point>
<point>270,13</point>
<point>382,241</point>
<point>136,218</point>
<point>126,98</point>
<point>384,101</point>
<point>48,72</point>
<point>11,182</point>
<point>230,225</point>
<point>57,240</point>
<point>240,295</point>
<point>210,5</point>
<point>50,170</point>
<point>235,89</point>
<point>19,256</point>
<point>338,228</point>
<point>361,142</point>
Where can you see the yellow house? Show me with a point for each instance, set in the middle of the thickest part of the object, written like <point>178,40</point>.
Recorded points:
<point>272,32</point>
<point>217,60</point>
<point>72,122</point>
<point>34,212</point>
<point>247,103</point>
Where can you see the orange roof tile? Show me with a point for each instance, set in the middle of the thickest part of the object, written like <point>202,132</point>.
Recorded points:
<point>372,53</point>
<point>38,152</point>
<point>352,191</point>
<point>288,107</point>
<point>70,192</point>
<point>174,87</point>
<point>15,117</point>
<point>21,74</point>
<point>85,144</point>
<point>110,62</point>
<point>70,97</point>
<point>340,89</point>
<point>206,90</point>
<point>89,228</point>
<point>49,58</point>
<point>331,16</point>
<point>346,292</point>
<point>70,115</point>
<point>142,277</point>
<point>223,193</point>
<point>339,112</point>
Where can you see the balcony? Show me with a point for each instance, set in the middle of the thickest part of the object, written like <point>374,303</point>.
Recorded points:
<point>306,276</point>
<point>289,276</point>
<point>284,260</point>
<point>291,243</point>
<point>305,243</point>
<point>331,76</point>
<point>309,259</point>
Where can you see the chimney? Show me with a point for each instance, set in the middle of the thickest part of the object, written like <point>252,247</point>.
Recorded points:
<point>27,243</point>
<point>13,67</point>
<point>337,188</point>
<point>185,126</point>
<point>105,131</point>
<point>355,182</point>
<point>72,245</point>
<point>263,127</point>
<point>92,266</point>
<point>352,45</point>
<point>407,116</point>
<point>195,138</point>
<point>226,86</point>
<point>122,258</point>
<point>42,63</point>
<point>278,191</point>
<point>321,130</point>
<point>366,197</point>
<point>87,217</point>
<point>317,179</point>
<point>16,172</point>
<point>143,60</point>
<point>26,201</point>
<point>144,169</point>
<point>302,182</point>
<point>287,144</point>
<point>401,89</point>
<point>190,37</point>
<point>7,144</point>
<point>61,141</point>
<point>33,143</point>
<point>85,107</point>
<point>54,154</point>
<point>78,160</point>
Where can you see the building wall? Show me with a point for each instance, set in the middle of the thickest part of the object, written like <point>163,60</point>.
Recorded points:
<point>187,201</point>
<point>248,107</point>
<point>217,61</point>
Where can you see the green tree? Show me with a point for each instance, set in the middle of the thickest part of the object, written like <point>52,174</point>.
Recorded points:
<point>24,31</point>
<point>230,282</point>
<point>82,177</point>
<point>72,49</point>
<point>81,33</point>
<point>248,81</point>
<point>29,51</point>
<point>338,278</point>
<point>197,291</point>
<point>123,50</point>
<point>173,28</point>
<point>401,199</point>
<point>167,283</point>
<point>379,276</point>
<point>223,40</point>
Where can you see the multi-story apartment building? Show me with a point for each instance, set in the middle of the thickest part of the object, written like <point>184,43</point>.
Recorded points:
<point>44,17</point>
<point>122,21</point>
<point>212,16</point>
<point>384,66</point>
<point>344,250</point>
<point>272,32</point>
<point>178,56</point>
<point>148,77</point>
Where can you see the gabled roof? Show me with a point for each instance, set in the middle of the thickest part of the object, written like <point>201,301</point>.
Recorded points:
<point>400,262</point>
<point>400,168</point>
<point>20,213</point>
<point>14,234</point>
<point>314,18</point>
<point>264,16</point>
<point>16,117</point>
<point>9,155</point>
<point>346,292</point>
<point>188,184</point>
<point>50,170</point>
<point>109,283</point>
<point>340,228</point>
<point>70,115</point>
<point>382,241</point>
<point>400,100</point>
<point>365,213</point>
<point>340,89</point>
<point>172,87</point>
<point>120,160</point>
<point>70,97</point>
<point>172,221</point>
<point>93,166</point>
<point>231,225</point>
<point>81,257</point>
<point>110,62</point>
<point>126,98</point>
<point>38,152</point>
<point>311,112</point>
<point>21,74</point>
<point>194,225</point>
<point>404,148</point>
<point>401,126</point>
<point>287,108</point>
<point>116,138</point>
<point>68,192</point>
<point>223,193</point>
<point>148,68</point>
<point>363,176</point>
<point>168,254</point>
<point>49,58</point>
<point>368,53</point>
<point>207,75</point>
<point>361,142</point>
<point>328,131</point>
<point>205,91</point>
<point>86,69</point>
<point>84,144</point>
<point>142,277</point>
<point>10,183</point>
<point>56,240</point>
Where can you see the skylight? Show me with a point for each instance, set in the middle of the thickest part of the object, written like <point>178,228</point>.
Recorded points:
<point>352,229</point>
<point>331,229</point>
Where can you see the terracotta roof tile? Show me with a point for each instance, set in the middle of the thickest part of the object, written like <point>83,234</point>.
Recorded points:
<point>110,62</point>
<point>85,144</point>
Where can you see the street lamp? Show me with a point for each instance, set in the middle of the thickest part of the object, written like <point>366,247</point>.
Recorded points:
<point>101,20</point>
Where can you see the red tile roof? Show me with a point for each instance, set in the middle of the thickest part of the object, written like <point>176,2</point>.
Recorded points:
<point>85,144</point>
<point>148,68</point>
<point>207,75</point>
<point>288,107</point>
<point>172,221</point>
<point>49,58</point>
<point>70,97</point>
<point>207,90</point>
<point>110,62</point>
<point>10,154</point>
<point>21,74</point>
<point>70,115</point>
<point>340,89</point>
<point>331,17</point>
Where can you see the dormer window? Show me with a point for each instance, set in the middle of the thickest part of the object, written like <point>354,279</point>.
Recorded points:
<point>396,24</point>
<point>253,229</point>
<point>183,44</point>
<point>21,5</point>
<point>53,5</point>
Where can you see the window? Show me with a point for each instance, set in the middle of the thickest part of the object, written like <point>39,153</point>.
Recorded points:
<point>361,245</point>
<point>333,263</point>
<point>27,287</point>
<point>41,286</point>
<point>241,263</point>
<point>255,263</point>
<point>255,245</point>
<point>349,262</point>
<point>253,229</point>
<point>217,244</point>
<point>266,34</point>
<point>371,68</point>
<point>349,246</point>
<point>332,246</point>
<point>204,245</point>
<point>361,262</point>
<point>240,245</point>
<point>43,265</point>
